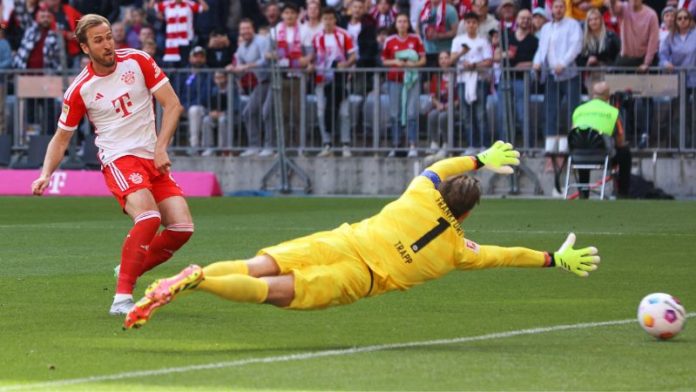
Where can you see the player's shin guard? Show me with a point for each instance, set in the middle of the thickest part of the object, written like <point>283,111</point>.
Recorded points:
<point>134,249</point>
<point>163,246</point>
<point>222,268</point>
<point>238,288</point>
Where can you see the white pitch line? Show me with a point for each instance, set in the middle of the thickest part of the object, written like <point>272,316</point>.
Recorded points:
<point>314,354</point>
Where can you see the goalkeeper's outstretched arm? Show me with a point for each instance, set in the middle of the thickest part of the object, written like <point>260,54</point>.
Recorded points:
<point>578,261</point>
<point>500,158</point>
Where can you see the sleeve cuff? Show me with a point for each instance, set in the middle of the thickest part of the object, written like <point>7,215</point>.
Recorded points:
<point>549,260</point>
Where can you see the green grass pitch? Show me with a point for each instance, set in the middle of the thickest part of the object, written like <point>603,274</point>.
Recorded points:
<point>57,256</point>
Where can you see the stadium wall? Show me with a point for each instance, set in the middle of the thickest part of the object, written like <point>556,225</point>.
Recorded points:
<point>384,176</point>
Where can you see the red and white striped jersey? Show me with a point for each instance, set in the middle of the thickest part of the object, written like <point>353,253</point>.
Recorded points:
<point>119,105</point>
<point>179,19</point>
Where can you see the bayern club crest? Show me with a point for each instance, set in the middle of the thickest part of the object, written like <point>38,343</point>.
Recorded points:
<point>136,178</point>
<point>128,77</point>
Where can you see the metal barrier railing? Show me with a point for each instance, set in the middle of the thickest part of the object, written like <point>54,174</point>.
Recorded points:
<point>367,111</point>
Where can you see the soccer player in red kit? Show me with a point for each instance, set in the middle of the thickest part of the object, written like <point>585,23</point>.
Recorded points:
<point>115,91</point>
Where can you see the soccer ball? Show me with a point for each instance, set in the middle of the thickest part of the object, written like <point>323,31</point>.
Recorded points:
<point>661,315</point>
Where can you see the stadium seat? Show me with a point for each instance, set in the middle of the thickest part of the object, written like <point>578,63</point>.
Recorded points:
<point>587,150</point>
<point>35,153</point>
<point>5,150</point>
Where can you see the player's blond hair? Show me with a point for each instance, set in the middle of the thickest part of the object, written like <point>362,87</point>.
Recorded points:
<point>461,193</point>
<point>87,22</point>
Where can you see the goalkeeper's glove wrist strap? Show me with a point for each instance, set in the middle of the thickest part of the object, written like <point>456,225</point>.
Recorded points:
<point>550,259</point>
<point>479,164</point>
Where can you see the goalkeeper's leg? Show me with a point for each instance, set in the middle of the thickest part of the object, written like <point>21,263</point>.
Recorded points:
<point>258,266</point>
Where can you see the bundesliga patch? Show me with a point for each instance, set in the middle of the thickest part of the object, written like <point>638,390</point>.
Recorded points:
<point>157,70</point>
<point>474,247</point>
<point>64,114</point>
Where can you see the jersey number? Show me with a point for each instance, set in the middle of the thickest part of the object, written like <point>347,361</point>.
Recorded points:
<point>441,226</point>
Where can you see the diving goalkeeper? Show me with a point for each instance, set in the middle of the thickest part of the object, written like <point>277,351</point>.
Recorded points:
<point>413,239</point>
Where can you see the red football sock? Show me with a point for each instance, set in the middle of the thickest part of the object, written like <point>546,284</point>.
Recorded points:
<point>163,246</point>
<point>134,249</point>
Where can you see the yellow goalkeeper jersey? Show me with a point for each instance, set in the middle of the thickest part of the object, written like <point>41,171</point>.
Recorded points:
<point>416,238</point>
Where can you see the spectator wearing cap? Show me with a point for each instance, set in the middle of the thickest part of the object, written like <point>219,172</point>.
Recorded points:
<point>287,50</point>
<point>487,22</point>
<point>40,49</point>
<point>178,15</point>
<point>560,44</point>
<point>668,18</point>
<point>249,60</point>
<point>218,52</point>
<point>473,56</point>
<point>437,26</point>
<point>507,12</point>
<point>539,19</point>
<point>577,9</point>
<point>193,88</point>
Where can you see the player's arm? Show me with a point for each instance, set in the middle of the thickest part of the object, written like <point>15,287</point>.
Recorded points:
<point>172,110</point>
<point>499,158</point>
<point>578,261</point>
<point>54,155</point>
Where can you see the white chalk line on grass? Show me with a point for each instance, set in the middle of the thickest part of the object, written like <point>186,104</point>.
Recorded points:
<point>315,354</point>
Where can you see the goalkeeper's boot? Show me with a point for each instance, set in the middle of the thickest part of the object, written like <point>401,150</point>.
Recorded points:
<point>141,313</point>
<point>119,308</point>
<point>164,290</point>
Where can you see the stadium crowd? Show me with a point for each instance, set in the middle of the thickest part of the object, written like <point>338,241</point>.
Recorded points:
<point>327,42</point>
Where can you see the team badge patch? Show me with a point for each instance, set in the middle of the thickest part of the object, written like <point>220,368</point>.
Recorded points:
<point>136,178</point>
<point>128,77</point>
<point>474,247</point>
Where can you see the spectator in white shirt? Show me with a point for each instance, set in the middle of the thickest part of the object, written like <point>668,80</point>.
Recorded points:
<point>473,57</point>
<point>560,43</point>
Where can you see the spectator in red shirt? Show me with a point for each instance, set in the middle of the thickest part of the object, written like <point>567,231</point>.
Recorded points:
<point>403,51</point>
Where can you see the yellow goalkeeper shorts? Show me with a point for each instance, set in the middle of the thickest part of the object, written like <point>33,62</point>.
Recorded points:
<point>327,270</point>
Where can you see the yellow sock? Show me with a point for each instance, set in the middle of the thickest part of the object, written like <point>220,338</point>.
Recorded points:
<point>239,288</point>
<point>226,268</point>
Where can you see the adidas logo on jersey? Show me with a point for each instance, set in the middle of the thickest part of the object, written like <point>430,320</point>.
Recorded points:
<point>98,97</point>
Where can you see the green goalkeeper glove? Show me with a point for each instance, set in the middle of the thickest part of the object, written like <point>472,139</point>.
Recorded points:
<point>578,261</point>
<point>499,158</point>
